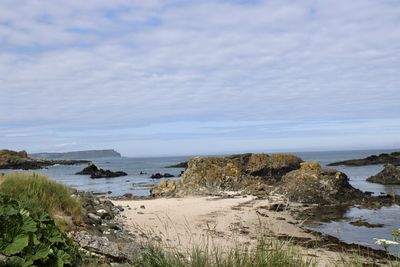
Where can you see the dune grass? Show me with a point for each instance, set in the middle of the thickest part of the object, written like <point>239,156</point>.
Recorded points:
<point>267,253</point>
<point>37,193</point>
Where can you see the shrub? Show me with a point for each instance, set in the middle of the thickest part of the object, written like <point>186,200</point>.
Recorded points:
<point>33,238</point>
<point>39,194</point>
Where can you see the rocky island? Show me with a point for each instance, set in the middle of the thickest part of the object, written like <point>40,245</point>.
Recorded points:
<point>384,158</point>
<point>95,172</point>
<point>389,175</point>
<point>20,160</point>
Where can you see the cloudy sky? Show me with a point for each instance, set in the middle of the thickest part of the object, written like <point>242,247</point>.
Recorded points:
<point>172,77</point>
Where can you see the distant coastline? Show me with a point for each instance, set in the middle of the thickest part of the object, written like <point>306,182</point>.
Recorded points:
<point>84,154</point>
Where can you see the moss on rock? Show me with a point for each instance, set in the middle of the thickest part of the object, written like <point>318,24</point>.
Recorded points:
<point>311,184</point>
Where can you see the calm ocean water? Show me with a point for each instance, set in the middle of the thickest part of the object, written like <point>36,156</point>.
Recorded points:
<point>133,183</point>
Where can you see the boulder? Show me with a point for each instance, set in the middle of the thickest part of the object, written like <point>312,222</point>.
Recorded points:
<point>389,175</point>
<point>312,184</point>
<point>97,244</point>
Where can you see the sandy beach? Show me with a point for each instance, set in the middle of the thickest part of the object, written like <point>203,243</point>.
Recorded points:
<point>215,223</point>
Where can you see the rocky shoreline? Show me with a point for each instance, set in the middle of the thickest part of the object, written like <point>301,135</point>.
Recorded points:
<point>21,161</point>
<point>264,186</point>
<point>102,236</point>
<point>384,158</point>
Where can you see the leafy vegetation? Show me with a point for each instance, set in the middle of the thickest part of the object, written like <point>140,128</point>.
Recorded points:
<point>30,239</point>
<point>39,194</point>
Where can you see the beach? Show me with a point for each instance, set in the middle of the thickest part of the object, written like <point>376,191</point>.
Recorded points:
<point>218,223</point>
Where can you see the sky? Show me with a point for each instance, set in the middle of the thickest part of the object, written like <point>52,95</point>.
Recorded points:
<point>174,77</point>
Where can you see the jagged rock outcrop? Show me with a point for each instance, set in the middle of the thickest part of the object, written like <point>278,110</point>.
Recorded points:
<point>384,158</point>
<point>248,172</point>
<point>95,172</point>
<point>20,160</point>
<point>389,175</point>
<point>312,184</point>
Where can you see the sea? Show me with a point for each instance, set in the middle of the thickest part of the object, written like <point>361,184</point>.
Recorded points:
<point>138,184</point>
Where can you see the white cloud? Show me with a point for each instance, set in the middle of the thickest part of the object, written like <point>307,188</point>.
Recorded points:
<point>96,65</point>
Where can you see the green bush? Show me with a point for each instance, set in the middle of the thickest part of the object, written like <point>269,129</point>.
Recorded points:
<point>33,239</point>
<point>39,194</point>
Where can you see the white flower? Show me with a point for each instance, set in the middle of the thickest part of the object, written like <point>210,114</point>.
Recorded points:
<point>385,242</point>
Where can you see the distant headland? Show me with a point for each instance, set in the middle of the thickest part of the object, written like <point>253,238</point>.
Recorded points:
<point>85,154</point>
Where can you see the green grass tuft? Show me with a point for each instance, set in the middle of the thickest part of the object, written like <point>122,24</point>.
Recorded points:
<point>38,194</point>
<point>267,253</point>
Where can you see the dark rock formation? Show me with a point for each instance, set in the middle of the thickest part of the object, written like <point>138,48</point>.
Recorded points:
<point>86,154</point>
<point>384,158</point>
<point>20,160</point>
<point>238,172</point>
<point>95,172</point>
<point>311,184</point>
<point>159,175</point>
<point>389,175</point>
<point>179,165</point>
<point>89,170</point>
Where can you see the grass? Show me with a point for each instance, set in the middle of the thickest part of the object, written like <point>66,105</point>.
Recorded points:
<point>37,193</point>
<point>266,253</point>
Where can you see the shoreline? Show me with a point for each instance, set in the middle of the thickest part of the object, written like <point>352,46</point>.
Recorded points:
<point>225,222</point>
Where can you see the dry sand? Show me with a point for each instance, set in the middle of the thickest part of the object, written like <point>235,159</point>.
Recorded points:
<point>213,222</point>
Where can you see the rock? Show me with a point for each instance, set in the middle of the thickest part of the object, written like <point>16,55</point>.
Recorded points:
<point>159,175</point>
<point>104,214</point>
<point>248,172</point>
<point>165,188</point>
<point>366,224</point>
<point>107,174</point>
<point>95,172</point>
<point>142,207</point>
<point>312,184</point>
<point>389,175</point>
<point>97,244</point>
<point>384,158</point>
<point>274,166</point>
<point>89,170</point>
<point>93,218</point>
